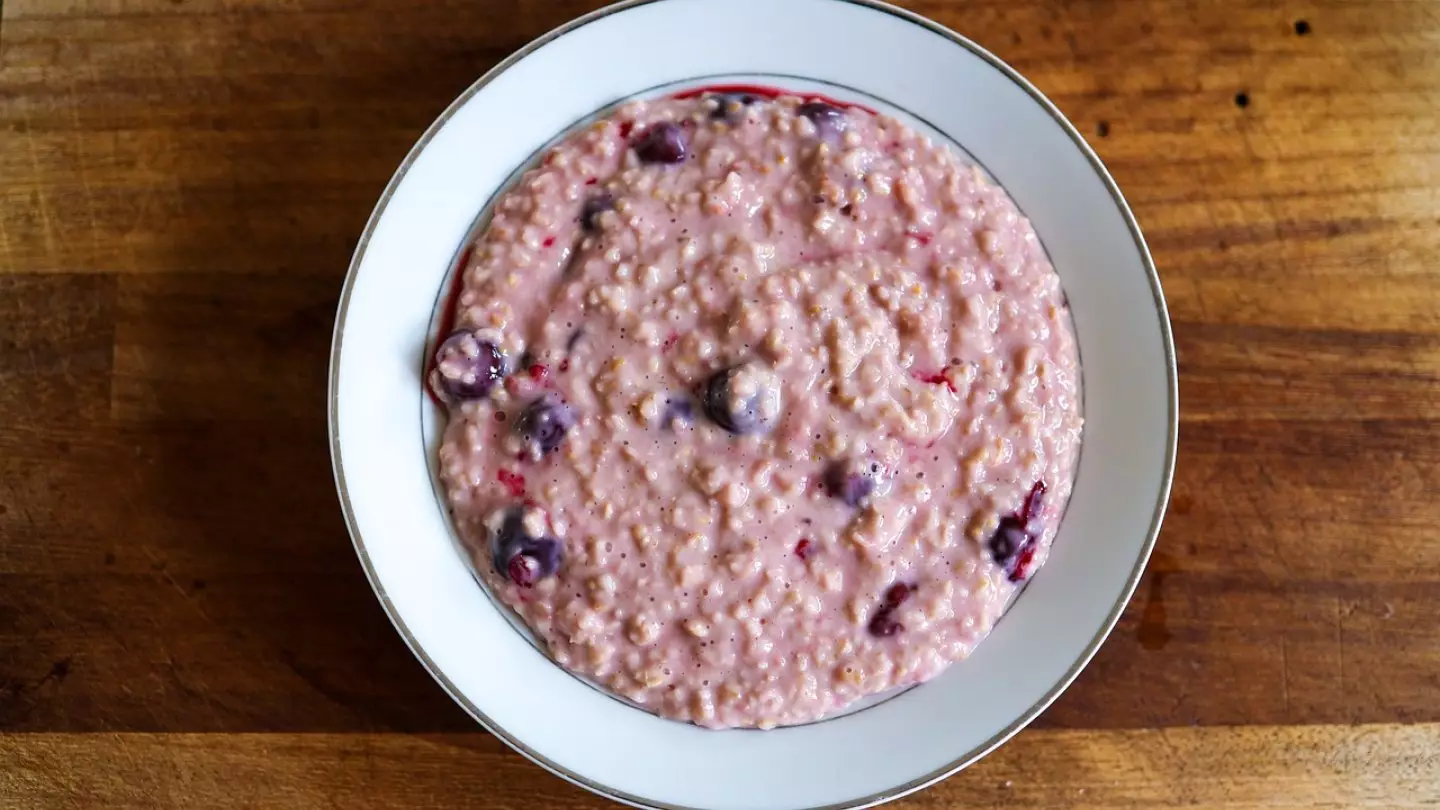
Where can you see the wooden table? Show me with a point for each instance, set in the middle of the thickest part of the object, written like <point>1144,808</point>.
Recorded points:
<point>183,622</point>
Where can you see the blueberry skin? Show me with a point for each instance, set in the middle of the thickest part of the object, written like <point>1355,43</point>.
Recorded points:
<point>1013,543</point>
<point>663,143</point>
<point>731,106</point>
<point>845,484</point>
<point>677,409</point>
<point>467,366</point>
<point>544,554</point>
<point>829,120</point>
<point>714,400</point>
<point>592,209</point>
<point>1012,546</point>
<point>1009,539</point>
<point>751,414</point>
<point>545,423</point>
<point>884,624</point>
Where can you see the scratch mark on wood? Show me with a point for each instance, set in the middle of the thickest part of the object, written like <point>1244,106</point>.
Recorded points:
<point>42,203</point>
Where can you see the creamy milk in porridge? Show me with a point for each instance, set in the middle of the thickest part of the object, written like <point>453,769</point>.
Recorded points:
<point>757,405</point>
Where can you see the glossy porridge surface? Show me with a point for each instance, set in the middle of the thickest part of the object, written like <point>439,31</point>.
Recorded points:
<point>757,406</point>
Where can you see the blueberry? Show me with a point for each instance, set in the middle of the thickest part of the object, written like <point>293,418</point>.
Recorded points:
<point>828,119</point>
<point>468,366</point>
<point>663,143</point>
<point>678,409</point>
<point>897,594</point>
<point>547,553</point>
<point>1014,542</point>
<point>1012,547</point>
<point>507,537</point>
<point>883,624</point>
<point>523,570</point>
<point>520,555</point>
<point>1023,561</point>
<point>730,106</point>
<point>545,422</point>
<point>742,399</point>
<point>849,482</point>
<point>1008,540</point>
<point>592,209</point>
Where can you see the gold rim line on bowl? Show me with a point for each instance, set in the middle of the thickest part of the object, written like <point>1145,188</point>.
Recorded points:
<point>979,751</point>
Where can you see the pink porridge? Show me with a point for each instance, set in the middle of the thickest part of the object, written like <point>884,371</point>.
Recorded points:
<point>757,406</point>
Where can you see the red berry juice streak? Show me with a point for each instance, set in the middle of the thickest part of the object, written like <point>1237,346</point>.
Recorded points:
<point>937,378</point>
<point>512,481</point>
<point>765,91</point>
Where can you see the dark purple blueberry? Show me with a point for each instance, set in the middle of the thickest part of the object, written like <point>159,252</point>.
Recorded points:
<point>1014,542</point>
<point>678,409</point>
<point>546,552</point>
<point>731,106</point>
<point>1007,541</point>
<point>849,482</point>
<point>1012,547</point>
<point>594,206</point>
<point>520,556</point>
<point>506,540</point>
<point>663,143</point>
<point>883,624</point>
<point>742,399</point>
<point>468,366</point>
<point>545,422</point>
<point>829,120</point>
<point>523,570</point>
<point>897,594</point>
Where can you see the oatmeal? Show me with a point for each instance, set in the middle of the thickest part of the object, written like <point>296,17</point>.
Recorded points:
<point>757,406</point>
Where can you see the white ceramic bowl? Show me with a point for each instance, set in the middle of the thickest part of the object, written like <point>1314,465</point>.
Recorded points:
<point>382,426</point>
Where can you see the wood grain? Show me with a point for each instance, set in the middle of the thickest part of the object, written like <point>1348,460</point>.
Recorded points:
<point>182,621</point>
<point>1250,767</point>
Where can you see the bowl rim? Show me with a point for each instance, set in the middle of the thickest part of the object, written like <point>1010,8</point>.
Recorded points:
<point>959,763</point>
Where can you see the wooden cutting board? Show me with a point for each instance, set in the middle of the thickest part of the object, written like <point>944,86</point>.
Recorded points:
<point>183,622</point>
